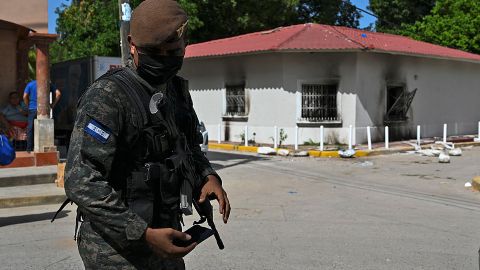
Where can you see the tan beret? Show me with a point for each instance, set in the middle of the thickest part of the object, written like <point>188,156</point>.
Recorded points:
<point>156,21</point>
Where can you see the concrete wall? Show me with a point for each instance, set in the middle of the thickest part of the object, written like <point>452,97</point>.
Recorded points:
<point>8,65</point>
<point>29,13</point>
<point>273,89</point>
<point>448,91</point>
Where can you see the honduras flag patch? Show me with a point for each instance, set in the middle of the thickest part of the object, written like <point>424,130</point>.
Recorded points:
<point>97,131</point>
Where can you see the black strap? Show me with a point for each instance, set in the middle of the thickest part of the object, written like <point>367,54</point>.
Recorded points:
<point>61,208</point>
<point>126,80</point>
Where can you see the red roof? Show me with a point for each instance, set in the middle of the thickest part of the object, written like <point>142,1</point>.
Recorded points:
<point>318,37</point>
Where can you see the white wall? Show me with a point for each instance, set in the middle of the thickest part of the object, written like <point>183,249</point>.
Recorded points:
<point>273,84</point>
<point>448,91</point>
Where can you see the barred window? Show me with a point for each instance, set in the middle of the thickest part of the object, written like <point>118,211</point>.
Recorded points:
<point>398,103</point>
<point>235,100</point>
<point>319,102</point>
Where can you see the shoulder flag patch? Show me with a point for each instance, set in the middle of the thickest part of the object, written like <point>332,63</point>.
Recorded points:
<point>97,131</point>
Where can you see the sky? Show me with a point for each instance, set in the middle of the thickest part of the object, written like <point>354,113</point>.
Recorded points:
<point>53,4</point>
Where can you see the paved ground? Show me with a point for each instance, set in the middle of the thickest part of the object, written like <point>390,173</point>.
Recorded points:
<point>390,212</point>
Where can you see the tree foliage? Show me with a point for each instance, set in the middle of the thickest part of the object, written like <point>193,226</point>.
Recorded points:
<point>452,23</point>
<point>392,14</point>
<point>90,27</point>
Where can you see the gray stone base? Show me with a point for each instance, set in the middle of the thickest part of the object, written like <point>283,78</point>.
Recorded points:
<point>44,134</point>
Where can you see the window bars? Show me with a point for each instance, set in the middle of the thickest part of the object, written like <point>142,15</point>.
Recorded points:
<point>398,103</point>
<point>319,102</point>
<point>235,95</point>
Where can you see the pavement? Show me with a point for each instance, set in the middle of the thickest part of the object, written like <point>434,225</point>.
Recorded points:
<point>401,211</point>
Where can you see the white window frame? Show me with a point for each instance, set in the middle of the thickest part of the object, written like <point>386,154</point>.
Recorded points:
<point>324,81</point>
<point>225,114</point>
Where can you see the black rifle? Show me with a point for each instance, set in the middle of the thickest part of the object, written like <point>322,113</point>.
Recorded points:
<point>183,163</point>
<point>205,211</point>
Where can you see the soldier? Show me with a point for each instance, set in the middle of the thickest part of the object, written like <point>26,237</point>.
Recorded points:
<point>134,159</point>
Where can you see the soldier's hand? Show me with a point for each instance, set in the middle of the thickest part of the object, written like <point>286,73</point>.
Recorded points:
<point>213,188</point>
<point>160,240</point>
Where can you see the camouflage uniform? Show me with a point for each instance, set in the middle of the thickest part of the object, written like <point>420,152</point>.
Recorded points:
<point>112,235</point>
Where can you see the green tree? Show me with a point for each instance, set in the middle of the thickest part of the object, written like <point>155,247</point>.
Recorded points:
<point>452,23</point>
<point>87,27</point>
<point>90,27</point>
<point>225,18</point>
<point>333,12</point>
<point>392,14</point>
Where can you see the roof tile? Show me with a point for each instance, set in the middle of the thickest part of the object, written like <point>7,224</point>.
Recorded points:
<point>320,37</point>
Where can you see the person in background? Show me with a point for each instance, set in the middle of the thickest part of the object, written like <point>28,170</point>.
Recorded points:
<point>14,117</point>
<point>30,98</point>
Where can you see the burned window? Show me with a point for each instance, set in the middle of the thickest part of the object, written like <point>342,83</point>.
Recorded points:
<point>319,102</point>
<point>398,103</point>
<point>235,100</point>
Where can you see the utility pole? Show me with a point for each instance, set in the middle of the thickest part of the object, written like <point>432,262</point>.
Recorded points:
<point>124,11</point>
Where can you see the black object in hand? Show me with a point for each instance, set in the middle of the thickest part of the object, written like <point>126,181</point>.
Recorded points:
<point>198,234</point>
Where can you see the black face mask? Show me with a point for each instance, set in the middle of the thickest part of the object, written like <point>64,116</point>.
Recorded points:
<point>158,69</point>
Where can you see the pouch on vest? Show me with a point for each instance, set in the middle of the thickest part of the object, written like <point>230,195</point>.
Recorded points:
<point>140,197</point>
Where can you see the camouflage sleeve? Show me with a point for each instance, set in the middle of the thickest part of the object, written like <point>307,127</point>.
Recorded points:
<point>93,145</point>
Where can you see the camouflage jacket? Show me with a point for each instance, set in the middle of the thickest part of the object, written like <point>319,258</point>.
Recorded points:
<point>106,126</point>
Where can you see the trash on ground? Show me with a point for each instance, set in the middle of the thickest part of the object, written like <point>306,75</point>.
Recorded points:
<point>266,151</point>
<point>446,145</point>
<point>301,154</point>
<point>456,152</point>
<point>430,152</point>
<point>292,192</point>
<point>468,184</point>
<point>350,153</point>
<point>444,158</point>
<point>415,146</point>
<point>365,164</point>
<point>283,152</point>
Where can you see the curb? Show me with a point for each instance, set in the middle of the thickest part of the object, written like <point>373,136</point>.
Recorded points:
<point>334,154</point>
<point>254,149</point>
<point>30,201</point>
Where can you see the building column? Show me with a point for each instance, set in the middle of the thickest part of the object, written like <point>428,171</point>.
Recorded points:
<point>43,126</point>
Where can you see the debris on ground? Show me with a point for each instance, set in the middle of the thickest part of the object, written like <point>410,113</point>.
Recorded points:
<point>468,185</point>
<point>415,146</point>
<point>444,158</point>
<point>350,153</point>
<point>266,151</point>
<point>446,145</point>
<point>301,154</point>
<point>456,152</point>
<point>430,152</point>
<point>365,164</point>
<point>283,152</point>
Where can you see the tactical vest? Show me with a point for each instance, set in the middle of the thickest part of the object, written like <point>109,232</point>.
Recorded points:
<point>160,185</point>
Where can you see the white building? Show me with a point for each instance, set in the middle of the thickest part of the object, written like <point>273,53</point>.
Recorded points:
<point>310,75</point>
